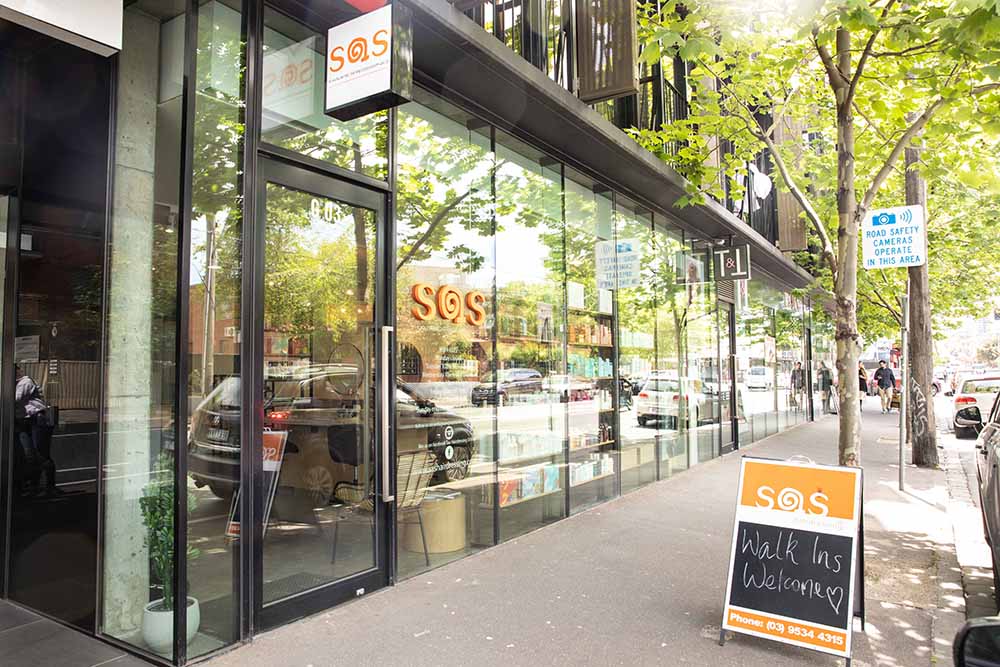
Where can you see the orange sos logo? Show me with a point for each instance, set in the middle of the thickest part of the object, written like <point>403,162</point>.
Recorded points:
<point>359,49</point>
<point>448,303</point>
<point>801,489</point>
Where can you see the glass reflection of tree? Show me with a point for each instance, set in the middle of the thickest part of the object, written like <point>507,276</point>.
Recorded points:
<point>316,290</point>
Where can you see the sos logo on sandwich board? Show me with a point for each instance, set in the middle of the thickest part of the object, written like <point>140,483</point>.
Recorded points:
<point>273,443</point>
<point>793,567</point>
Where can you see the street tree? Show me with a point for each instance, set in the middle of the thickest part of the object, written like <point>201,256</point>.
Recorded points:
<point>861,78</point>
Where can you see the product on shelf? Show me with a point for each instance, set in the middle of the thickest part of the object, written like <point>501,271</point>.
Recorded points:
<point>532,482</point>
<point>510,491</point>
<point>551,481</point>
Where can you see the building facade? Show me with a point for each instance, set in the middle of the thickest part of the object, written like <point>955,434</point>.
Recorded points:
<point>294,360</point>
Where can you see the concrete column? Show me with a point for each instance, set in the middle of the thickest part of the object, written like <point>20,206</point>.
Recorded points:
<point>129,392</point>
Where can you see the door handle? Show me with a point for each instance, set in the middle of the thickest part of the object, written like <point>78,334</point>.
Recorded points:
<point>387,388</point>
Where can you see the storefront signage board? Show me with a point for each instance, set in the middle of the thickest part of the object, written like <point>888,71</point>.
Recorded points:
<point>796,541</point>
<point>617,263</point>
<point>95,25</point>
<point>369,63</point>
<point>894,237</point>
<point>732,263</point>
<point>274,453</point>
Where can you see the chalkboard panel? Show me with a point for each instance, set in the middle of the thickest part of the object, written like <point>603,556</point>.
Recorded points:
<point>796,573</point>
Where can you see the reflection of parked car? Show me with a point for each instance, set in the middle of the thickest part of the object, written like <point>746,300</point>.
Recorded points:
<point>509,382</point>
<point>660,399</point>
<point>757,378</point>
<point>973,402</point>
<point>320,408</point>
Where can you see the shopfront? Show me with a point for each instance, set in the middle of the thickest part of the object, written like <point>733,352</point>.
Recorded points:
<point>315,357</point>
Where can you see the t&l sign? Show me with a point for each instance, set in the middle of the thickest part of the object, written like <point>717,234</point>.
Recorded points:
<point>732,263</point>
<point>369,63</point>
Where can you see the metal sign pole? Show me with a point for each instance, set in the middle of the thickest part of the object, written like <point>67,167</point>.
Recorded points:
<point>903,378</point>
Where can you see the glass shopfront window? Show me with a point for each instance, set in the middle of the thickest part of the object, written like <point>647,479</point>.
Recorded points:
<point>703,370</point>
<point>446,393</point>
<point>530,340</point>
<point>293,89</point>
<point>588,388</point>
<point>141,326</point>
<point>671,345</point>
<point>791,361</point>
<point>215,331</point>
<point>654,405</point>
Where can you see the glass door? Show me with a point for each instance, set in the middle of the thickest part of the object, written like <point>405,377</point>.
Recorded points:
<point>321,512</point>
<point>730,400</point>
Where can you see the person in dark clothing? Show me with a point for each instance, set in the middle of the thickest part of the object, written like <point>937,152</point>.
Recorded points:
<point>886,382</point>
<point>33,434</point>
<point>798,384</point>
<point>862,384</point>
<point>825,386</point>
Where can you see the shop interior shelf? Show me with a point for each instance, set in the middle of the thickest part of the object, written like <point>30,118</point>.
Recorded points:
<point>594,479</point>
<point>585,344</point>
<point>524,499</point>
<point>587,311</point>
<point>514,460</point>
<point>586,448</point>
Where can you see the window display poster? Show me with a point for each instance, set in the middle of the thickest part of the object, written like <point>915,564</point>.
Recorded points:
<point>796,540</point>
<point>273,443</point>
<point>575,295</point>
<point>617,263</point>
<point>25,349</point>
<point>604,301</point>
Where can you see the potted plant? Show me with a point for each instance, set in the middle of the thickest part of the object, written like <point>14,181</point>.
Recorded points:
<point>157,505</point>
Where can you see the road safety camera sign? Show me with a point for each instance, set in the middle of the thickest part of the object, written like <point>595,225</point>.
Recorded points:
<point>794,554</point>
<point>894,237</point>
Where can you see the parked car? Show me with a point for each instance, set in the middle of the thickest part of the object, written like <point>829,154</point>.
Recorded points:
<point>510,382</point>
<point>977,643</point>
<point>988,475</point>
<point>660,399</point>
<point>319,407</point>
<point>973,402</point>
<point>757,377</point>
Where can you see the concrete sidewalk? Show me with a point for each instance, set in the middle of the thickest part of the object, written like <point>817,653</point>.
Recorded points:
<point>640,581</point>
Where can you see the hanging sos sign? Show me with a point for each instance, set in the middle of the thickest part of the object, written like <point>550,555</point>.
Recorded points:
<point>448,303</point>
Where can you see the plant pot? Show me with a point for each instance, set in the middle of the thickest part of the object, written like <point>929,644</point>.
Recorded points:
<point>158,625</point>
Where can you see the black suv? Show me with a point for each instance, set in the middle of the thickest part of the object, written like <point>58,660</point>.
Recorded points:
<point>320,408</point>
<point>510,382</point>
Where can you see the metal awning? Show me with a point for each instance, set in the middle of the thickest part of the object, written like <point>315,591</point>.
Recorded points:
<point>455,57</point>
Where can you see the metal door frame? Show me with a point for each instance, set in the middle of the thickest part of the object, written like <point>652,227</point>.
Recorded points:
<point>297,176</point>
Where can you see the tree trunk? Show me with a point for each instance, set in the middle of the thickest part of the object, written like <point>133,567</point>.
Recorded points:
<point>846,284</point>
<point>922,427</point>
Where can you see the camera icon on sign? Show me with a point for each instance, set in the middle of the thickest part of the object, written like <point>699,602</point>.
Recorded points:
<point>884,219</point>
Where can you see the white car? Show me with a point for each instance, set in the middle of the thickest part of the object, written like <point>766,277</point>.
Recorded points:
<point>660,398</point>
<point>972,403</point>
<point>757,378</point>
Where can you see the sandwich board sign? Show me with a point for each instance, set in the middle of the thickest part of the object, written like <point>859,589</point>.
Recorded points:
<point>273,443</point>
<point>894,237</point>
<point>793,569</point>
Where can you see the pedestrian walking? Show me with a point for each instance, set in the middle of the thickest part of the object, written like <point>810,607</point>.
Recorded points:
<point>825,386</point>
<point>798,385</point>
<point>862,384</point>
<point>886,383</point>
<point>34,434</point>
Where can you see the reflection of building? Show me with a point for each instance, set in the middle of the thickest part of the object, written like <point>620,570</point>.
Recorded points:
<point>210,266</point>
